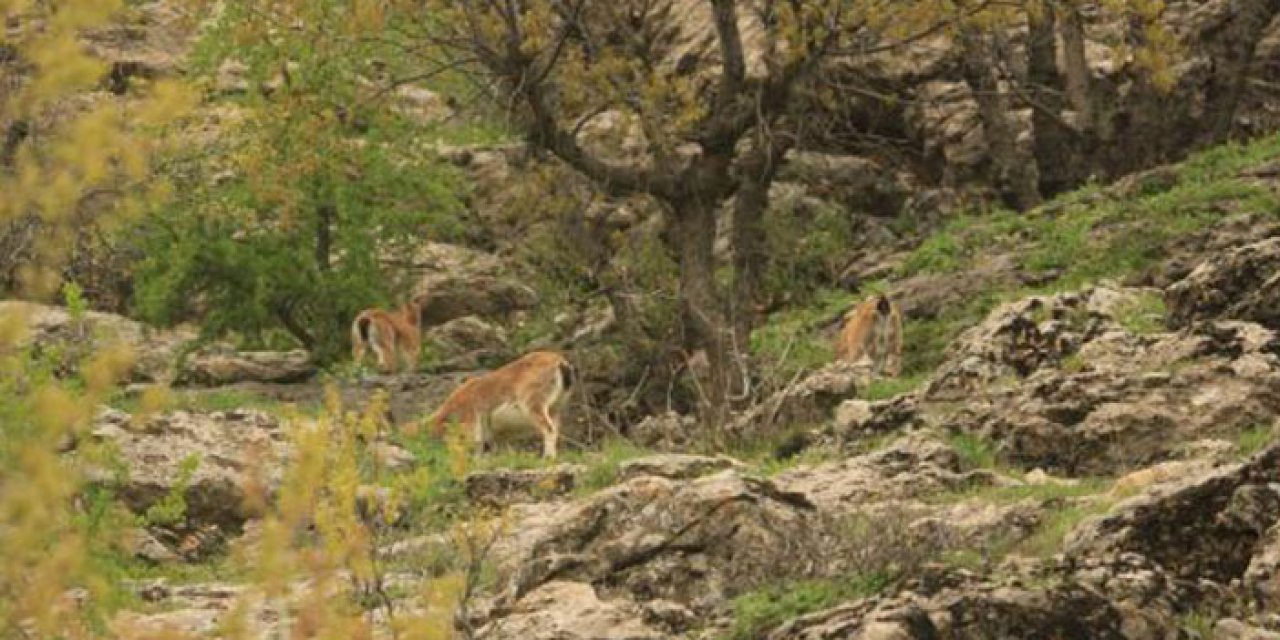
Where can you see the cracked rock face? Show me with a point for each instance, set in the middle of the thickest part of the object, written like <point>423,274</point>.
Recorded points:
<point>1127,401</point>
<point>1207,526</point>
<point>232,449</point>
<point>694,543</point>
<point>1239,284</point>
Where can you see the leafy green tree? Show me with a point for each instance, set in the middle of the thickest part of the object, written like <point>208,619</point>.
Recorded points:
<point>291,217</point>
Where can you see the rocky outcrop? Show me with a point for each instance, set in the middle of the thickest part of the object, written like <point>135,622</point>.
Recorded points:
<point>1136,400</point>
<point>1239,284</point>
<point>910,467</point>
<point>461,282</point>
<point>221,364</point>
<point>1019,338</point>
<point>504,487</point>
<point>1203,527</point>
<point>671,544</point>
<point>968,609</point>
<point>675,466</point>
<point>53,332</point>
<point>561,610</point>
<point>465,341</point>
<point>810,401</point>
<point>217,461</point>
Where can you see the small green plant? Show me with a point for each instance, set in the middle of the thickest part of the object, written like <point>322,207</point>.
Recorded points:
<point>885,388</point>
<point>77,306</point>
<point>1047,540</point>
<point>975,453</point>
<point>1253,439</point>
<point>758,611</point>
<point>171,510</point>
<point>1143,315</point>
<point>1073,363</point>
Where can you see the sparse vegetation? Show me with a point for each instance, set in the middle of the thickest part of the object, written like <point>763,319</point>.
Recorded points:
<point>1253,439</point>
<point>757,612</point>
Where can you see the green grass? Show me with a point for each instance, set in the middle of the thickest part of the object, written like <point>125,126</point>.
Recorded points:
<point>886,388</point>
<point>1253,439</point>
<point>1091,233</point>
<point>758,611</point>
<point>1040,492</point>
<point>789,342</point>
<point>975,453</point>
<point>1144,315</point>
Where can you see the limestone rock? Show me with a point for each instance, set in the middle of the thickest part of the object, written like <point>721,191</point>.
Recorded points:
<point>53,330</point>
<point>812,400</point>
<point>911,466</point>
<point>694,543</point>
<point>503,487</point>
<point>1239,284</point>
<point>676,466</point>
<point>561,610</point>
<point>234,450</point>
<point>466,336</point>
<point>1202,527</point>
<point>462,282</point>
<point>221,364</point>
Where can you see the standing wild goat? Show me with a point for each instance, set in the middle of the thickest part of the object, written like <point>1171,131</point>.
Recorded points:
<point>392,335</point>
<point>528,390</point>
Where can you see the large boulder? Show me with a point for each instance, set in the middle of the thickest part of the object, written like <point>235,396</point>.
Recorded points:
<point>1202,527</point>
<point>1134,401</point>
<point>669,544</point>
<point>54,332</point>
<point>235,453</point>
<point>560,610</point>
<point>1240,284</point>
<point>221,364</point>
<point>462,282</point>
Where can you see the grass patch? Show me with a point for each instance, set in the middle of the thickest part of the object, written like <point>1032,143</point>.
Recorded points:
<point>1253,439</point>
<point>1144,315</point>
<point>886,388</point>
<point>790,342</point>
<point>1040,492</point>
<point>1047,540</point>
<point>975,453</point>
<point>758,611</point>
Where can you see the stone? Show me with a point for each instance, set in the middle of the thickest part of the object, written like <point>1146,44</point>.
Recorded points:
<point>564,610</point>
<point>221,364</point>
<point>235,452</point>
<point>504,487</point>
<point>53,330</point>
<point>1239,284</point>
<point>675,466</point>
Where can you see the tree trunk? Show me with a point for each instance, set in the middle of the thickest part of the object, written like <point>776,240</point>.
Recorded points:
<point>706,330</point>
<point>1056,146</point>
<point>1014,172</point>
<point>750,256</point>
<point>1077,67</point>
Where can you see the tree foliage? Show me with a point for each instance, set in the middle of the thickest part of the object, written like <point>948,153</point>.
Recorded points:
<point>292,217</point>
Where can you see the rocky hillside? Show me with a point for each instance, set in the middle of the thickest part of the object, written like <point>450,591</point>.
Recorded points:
<point>1085,442</point>
<point>1090,448</point>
